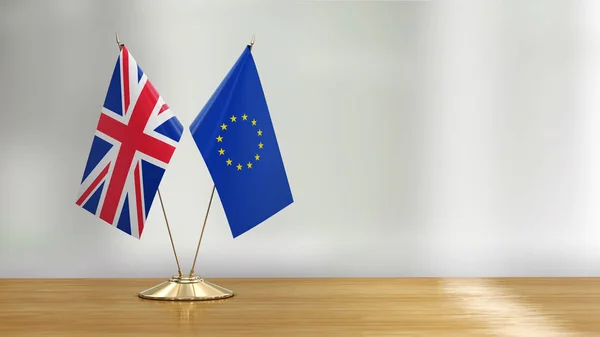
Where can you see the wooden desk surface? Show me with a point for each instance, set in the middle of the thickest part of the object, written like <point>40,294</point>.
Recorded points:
<point>306,307</point>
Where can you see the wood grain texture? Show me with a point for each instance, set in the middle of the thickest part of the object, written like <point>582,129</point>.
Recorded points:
<point>306,307</point>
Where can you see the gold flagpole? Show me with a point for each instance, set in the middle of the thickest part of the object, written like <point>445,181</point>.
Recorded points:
<point>120,45</point>
<point>162,205</point>
<point>202,232</point>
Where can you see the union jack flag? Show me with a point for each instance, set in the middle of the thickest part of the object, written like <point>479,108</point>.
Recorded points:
<point>135,139</point>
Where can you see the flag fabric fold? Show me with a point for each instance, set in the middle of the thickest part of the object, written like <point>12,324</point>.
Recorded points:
<point>236,138</point>
<point>135,139</point>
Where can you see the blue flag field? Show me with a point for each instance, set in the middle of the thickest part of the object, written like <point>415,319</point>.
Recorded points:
<point>237,140</point>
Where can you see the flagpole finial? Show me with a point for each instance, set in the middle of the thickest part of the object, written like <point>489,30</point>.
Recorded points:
<point>251,42</point>
<point>119,44</point>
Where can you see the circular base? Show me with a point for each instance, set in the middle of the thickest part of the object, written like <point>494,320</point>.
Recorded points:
<point>186,288</point>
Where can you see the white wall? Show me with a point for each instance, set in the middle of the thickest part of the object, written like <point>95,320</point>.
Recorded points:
<point>420,138</point>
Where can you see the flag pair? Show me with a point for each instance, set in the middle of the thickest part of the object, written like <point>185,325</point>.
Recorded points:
<point>137,135</point>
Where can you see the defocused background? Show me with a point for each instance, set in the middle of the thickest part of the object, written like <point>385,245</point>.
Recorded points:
<point>421,138</point>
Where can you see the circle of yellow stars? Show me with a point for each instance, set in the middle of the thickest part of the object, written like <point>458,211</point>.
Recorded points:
<point>221,151</point>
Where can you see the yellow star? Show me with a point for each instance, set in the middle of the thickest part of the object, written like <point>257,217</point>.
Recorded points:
<point>224,126</point>
<point>260,145</point>
<point>221,152</point>
<point>260,132</point>
<point>253,122</point>
<point>228,162</point>
<point>244,116</point>
<point>239,167</point>
<point>219,139</point>
<point>257,157</point>
<point>249,165</point>
<point>233,118</point>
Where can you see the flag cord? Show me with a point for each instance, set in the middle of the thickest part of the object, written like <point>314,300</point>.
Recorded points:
<point>203,226</point>
<point>170,236</point>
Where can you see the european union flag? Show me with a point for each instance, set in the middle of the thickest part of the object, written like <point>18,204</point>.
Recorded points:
<point>236,138</point>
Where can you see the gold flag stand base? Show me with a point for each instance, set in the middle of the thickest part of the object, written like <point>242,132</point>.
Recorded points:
<point>186,288</point>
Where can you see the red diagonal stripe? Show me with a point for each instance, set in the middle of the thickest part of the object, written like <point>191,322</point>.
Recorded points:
<point>93,186</point>
<point>163,108</point>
